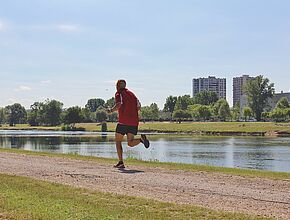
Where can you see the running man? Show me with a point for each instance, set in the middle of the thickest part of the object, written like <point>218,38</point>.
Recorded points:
<point>127,105</point>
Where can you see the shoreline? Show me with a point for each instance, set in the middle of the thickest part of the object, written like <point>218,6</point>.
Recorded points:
<point>152,131</point>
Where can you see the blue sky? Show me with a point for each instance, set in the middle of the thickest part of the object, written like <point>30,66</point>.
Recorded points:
<point>73,50</point>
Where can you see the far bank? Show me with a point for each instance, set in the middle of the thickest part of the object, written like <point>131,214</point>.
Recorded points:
<point>194,128</point>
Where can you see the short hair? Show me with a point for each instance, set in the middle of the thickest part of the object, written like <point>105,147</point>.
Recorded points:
<point>121,84</point>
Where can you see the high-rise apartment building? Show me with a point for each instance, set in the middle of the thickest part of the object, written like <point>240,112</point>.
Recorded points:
<point>238,87</point>
<point>217,85</point>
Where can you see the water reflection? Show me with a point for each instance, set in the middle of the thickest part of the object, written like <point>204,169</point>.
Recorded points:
<point>244,152</point>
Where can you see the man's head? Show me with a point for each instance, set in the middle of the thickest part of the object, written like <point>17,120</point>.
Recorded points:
<point>121,84</point>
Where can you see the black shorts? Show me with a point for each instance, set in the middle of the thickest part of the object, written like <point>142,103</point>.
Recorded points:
<point>125,129</point>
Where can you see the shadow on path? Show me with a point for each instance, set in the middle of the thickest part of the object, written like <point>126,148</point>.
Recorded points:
<point>130,171</point>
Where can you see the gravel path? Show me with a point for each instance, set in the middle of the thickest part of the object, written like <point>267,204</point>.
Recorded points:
<point>211,190</point>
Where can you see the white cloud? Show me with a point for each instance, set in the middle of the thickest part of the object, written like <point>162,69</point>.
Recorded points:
<point>22,88</point>
<point>67,28</point>
<point>46,82</point>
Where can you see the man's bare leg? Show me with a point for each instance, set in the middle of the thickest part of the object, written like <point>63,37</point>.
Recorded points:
<point>131,141</point>
<point>118,140</point>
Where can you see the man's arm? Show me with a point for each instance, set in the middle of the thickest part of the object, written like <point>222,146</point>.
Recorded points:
<point>114,108</point>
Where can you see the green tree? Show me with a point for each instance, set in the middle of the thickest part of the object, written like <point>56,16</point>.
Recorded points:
<point>154,111</point>
<point>221,109</point>
<point>258,91</point>
<point>94,104</point>
<point>170,104</point>
<point>235,113</point>
<point>113,117</point>
<point>150,112</point>
<point>248,113</point>
<point>35,113</point>
<point>87,115</point>
<point>283,103</point>
<point>205,98</point>
<point>183,102</point>
<point>200,112</point>
<point>73,115</point>
<point>110,103</point>
<point>266,116</point>
<point>279,114</point>
<point>101,115</point>
<point>181,114</point>
<point>145,113</point>
<point>16,114</point>
<point>2,116</point>
<point>51,112</point>
<point>287,112</point>
<point>224,111</point>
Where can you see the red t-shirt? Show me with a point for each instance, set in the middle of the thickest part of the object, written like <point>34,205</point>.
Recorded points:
<point>128,112</point>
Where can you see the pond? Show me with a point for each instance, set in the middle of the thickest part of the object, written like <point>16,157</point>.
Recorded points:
<point>262,153</point>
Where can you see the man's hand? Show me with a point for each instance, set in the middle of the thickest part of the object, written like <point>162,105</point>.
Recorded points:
<point>109,110</point>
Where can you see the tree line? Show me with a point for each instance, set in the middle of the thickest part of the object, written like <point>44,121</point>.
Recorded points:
<point>205,106</point>
<point>52,113</point>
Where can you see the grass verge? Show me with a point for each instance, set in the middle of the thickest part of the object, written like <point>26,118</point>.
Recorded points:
<point>172,166</point>
<point>26,198</point>
<point>185,127</point>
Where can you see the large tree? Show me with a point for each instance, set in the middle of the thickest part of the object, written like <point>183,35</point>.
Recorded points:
<point>35,115</point>
<point>170,104</point>
<point>94,104</point>
<point>183,102</point>
<point>16,114</point>
<point>73,115</point>
<point>150,112</point>
<point>110,103</point>
<point>259,90</point>
<point>205,98</point>
<point>224,111</point>
<point>52,110</point>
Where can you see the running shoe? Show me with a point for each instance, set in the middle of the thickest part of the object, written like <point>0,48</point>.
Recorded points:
<point>145,141</point>
<point>120,165</point>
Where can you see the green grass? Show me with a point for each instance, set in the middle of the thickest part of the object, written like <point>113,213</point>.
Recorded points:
<point>25,198</point>
<point>172,166</point>
<point>216,127</point>
<point>186,127</point>
<point>28,127</point>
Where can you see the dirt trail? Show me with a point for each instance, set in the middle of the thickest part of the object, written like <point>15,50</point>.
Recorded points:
<point>211,190</point>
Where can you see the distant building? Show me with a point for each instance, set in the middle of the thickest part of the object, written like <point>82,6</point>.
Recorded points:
<point>277,96</point>
<point>217,85</point>
<point>238,86</point>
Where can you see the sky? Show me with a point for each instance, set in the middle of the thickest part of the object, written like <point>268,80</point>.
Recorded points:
<point>74,50</point>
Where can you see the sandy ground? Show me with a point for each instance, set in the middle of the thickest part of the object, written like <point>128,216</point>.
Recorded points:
<point>216,191</point>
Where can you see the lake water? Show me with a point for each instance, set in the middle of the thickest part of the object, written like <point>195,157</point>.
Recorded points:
<point>262,153</point>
